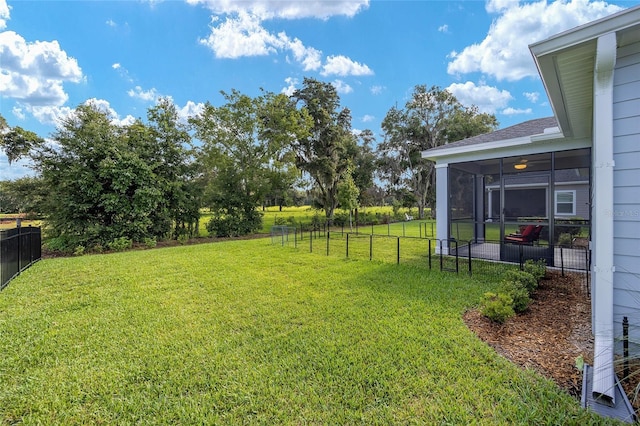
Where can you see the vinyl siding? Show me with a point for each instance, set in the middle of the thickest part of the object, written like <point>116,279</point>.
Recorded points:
<point>626,182</point>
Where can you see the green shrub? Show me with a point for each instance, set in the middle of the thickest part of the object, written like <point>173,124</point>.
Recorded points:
<point>150,242</point>
<point>79,251</point>
<point>565,240</point>
<point>536,268</point>
<point>497,307</point>
<point>518,293</point>
<point>525,278</point>
<point>120,244</point>
<point>183,238</point>
<point>62,244</point>
<point>279,221</point>
<point>234,225</point>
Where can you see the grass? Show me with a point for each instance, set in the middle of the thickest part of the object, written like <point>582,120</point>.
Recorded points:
<point>249,332</point>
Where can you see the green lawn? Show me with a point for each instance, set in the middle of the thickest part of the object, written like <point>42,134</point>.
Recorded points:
<point>252,333</point>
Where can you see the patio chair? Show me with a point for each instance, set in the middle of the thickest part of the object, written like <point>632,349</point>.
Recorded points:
<point>408,217</point>
<point>530,234</point>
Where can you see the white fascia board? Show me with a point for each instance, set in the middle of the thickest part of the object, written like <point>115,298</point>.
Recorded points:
<point>493,150</point>
<point>610,24</point>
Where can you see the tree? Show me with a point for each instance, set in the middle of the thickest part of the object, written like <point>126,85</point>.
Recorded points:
<point>171,154</point>
<point>106,182</point>
<point>324,153</point>
<point>432,117</point>
<point>17,142</point>
<point>23,195</point>
<point>348,193</point>
<point>243,152</point>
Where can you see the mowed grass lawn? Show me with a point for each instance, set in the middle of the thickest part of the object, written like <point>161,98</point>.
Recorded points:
<point>249,333</point>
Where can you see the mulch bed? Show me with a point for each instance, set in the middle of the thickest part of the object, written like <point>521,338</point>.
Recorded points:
<point>550,335</point>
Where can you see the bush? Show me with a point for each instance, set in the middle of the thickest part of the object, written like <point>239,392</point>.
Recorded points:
<point>497,307</point>
<point>538,268</point>
<point>234,225</point>
<point>518,293</point>
<point>120,244</point>
<point>527,280</point>
<point>183,238</point>
<point>150,242</point>
<point>565,239</point>
<point>79,251</point>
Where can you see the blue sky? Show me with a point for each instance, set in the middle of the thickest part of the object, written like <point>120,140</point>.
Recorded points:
<point>123,55</point>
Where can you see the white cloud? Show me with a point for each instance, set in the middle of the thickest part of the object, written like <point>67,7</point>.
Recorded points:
<point>286,9</point>
<point>114,117</point>
<point>516,111</point>
<point>18,113</point>
<point>496,6</point>
<point>190,109</point>
<point>504,53</point>
<point>4,14</point>
<point>368,118</point>
<point>292,83</point>
<point>343,66</point>
<point>122,71</point>
<point>376,90</point>
<point>309,57</point>
<point>34,73</point>
<point>111,23</point>
<point>443,28</point>
<point>237,31</point>
<point>342,87</point>
<point>532,96</point>
<point>148,95</point>
<point>488,99</point>
<point>240,36</point>
<point>52,114</point>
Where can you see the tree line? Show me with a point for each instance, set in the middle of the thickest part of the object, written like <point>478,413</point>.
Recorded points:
<point>96,181</point>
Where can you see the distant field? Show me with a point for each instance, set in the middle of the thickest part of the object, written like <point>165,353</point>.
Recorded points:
<point>247,332</point>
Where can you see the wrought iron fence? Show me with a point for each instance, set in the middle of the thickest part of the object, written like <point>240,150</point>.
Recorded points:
<point>462,256</point>
<point>19,248</point>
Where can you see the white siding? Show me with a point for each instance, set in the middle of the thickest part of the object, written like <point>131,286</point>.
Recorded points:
<point>626,145</point>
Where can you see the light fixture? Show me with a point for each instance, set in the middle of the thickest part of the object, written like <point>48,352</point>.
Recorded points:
<point>521,165</point>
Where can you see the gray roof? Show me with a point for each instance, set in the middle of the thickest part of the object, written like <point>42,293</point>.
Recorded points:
<point>528,128</point>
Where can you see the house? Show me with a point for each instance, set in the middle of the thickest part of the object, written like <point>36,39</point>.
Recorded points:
<point>592,78</point>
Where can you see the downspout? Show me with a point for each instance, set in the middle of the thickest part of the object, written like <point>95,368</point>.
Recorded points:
<point>603,268</point>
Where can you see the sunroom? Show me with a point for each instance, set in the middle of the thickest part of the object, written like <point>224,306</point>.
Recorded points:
<point>515,194</point>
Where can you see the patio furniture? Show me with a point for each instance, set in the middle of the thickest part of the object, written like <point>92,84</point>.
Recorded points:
<point>408,217</point>
<point>530,234</point>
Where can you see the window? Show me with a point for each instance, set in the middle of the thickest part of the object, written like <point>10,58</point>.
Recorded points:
<point>566,203</point>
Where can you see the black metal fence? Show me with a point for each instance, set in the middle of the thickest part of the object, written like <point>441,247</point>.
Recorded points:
<point>467,256</point>
<point>19,248</point>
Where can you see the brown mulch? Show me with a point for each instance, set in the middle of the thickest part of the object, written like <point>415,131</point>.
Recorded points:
<point>549,335</point>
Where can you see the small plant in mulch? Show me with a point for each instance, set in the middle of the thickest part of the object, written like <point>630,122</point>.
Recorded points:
<point>514,294</point>
<point>498,307</point>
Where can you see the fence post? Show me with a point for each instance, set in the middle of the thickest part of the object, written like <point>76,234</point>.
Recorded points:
<point>469,254</point>
<point>403,234</point>
<point>625,346</point>
<point>441,255</point>
<point>371,228</point>
<point>347,245</point>
<point>457,257</point>
<point>311,241</point>
<point>429,253</point>
<point>399,247</point>
<point>370,247</point>
<point>327,243</point>
<point>561,261</point>
<point>295,237</point>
